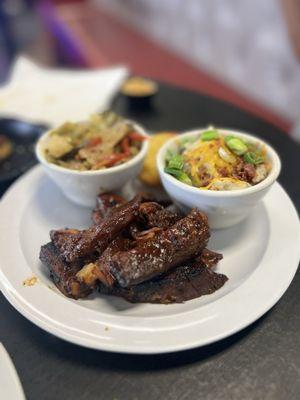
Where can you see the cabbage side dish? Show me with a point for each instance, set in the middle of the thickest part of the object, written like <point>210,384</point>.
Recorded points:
<point>103,141</point>
<point>212,161</point>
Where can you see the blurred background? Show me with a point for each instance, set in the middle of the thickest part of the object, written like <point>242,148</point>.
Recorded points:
<point>243,51</point>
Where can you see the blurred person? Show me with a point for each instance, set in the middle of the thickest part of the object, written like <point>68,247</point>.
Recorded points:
<point>20,31</point>
<point>7,43</point>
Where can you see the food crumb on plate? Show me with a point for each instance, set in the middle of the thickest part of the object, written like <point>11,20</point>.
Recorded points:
<point>30,281</point>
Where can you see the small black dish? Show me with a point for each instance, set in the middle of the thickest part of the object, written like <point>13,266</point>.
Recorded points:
<point>141,96</point>
<point>23,136</point>
<point>139,102</point>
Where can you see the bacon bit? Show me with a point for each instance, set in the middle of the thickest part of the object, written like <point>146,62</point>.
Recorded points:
<point>93,142</point>
<point>136,136</point>
<point>204,176</point>
<point>245,172</point>
<point>125,145</point>
<point>223,172</point>
<point>30,281</point>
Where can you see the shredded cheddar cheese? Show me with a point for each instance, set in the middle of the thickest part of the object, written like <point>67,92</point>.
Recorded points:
<point>204,162</point>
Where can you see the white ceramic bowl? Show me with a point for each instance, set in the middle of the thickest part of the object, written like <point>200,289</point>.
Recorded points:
<point>223,208</point>
<point>82,187</point>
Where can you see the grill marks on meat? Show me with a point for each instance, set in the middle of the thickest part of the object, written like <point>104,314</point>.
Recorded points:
<point>181,284</point>
<point>79,244</point>
<point>167,249</point>
<point>63,274</point>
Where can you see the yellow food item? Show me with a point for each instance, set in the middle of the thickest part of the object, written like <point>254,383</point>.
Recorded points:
<point>207,160</point>
<point>137,86</point>
<point>226,184</point>
<point>30,281</point>
<point>213,161</point>
<point>149,173</point>
<point>58,146</point>
<point>6,148</point>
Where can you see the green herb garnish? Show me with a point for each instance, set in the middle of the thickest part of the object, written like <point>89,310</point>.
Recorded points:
<point>236,145</point>
<point>228,137</point>
<point>169,155</point>
<point>180,175</point>
<point>209,135</point>
<point>174,167</point>
<point>253,158</point>
<point>176,162</point>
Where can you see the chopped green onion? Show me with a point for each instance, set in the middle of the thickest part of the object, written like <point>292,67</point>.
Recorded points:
<point>237,146</point>
<point>169,155</point>
<point>252,147</point>
<point>176,162</point>
<point>180,175</point>
<point>209,135</point>
<point>253,158</point>
<point>226,155</point>
<point>228,137</point>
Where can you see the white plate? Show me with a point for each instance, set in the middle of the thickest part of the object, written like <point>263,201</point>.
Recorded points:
<point>260,258</point>
<point>10,384</point>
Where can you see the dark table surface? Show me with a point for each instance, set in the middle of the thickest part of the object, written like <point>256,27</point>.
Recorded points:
<point>260,362</point>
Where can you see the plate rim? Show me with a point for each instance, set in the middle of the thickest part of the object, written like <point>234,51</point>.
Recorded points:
<point>17,301</point>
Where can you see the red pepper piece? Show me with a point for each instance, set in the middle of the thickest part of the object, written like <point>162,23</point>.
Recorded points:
<point>125,145</point>
<point>93,142</point>
<point>136,136</point>
<point>111,160</point>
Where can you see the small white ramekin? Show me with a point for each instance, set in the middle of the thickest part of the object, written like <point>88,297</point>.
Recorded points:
<point>223,208</point>
<point>82,187</point>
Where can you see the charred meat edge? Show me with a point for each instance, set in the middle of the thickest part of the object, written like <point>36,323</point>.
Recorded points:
<point>177,285</point>
<point>183,283</point>
<point>64,274</point>
<point>74,244</point>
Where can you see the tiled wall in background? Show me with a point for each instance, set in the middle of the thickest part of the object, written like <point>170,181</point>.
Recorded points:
<point>244,42</point>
